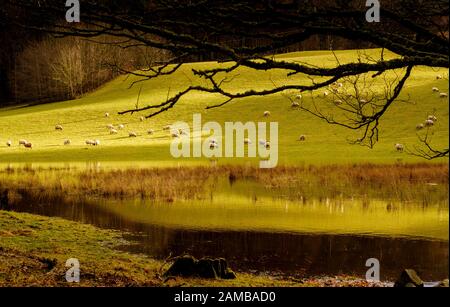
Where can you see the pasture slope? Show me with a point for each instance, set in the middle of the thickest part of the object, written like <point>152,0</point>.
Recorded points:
<point>84,119</point>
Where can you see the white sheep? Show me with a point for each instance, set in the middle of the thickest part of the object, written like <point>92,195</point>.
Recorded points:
<point>338,102</point>
<point>142,118</point>
<point>121,126</point>
<point>429,123</point>
<point>420,126</point>
<point>247,141</point>
<point>58,127</point>
<point>266,113</point>
<point>113,131</point>
<point>106,114</point>
<point>67,142</point>
<point>299,97</point>
<point>9,143</point>
<point>110,126</point>
<point>132,134</point>
<point>438,77</point>
<point>213,144</point>
<point>150,131</point>
<point>340,84</point>
<point>302,138</point>
<point>435,89</point>
<point>363,101</point>
<point>399,147</point>
<point>326,93</point>
<point>295,104</point>
<point>443,95</point>
<point>264,143</point>
<point>23,142</point>
<point>432,117</point>
<point>96,143</point>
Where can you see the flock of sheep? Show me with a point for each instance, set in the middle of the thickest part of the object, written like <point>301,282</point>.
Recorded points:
<point>175,133</point>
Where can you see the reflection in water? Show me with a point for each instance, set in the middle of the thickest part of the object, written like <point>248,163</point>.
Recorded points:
<point>268,235</point>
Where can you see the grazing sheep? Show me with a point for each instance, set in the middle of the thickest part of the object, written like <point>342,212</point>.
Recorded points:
<point>326,93</point>
<point>435,89</point>
<point>432,117</point>
<point>96,143</point>
<point>58,127</point>
<point>247,141</point>
<point>420,126</point>
<point>295,104</point>
<point>121,126</point>
<point>110,126</point>
<point>438,77</point>
<point>23,142</point>
<point>67,142</point>
<point>302,138</point>
<point>429,123</point>
<point>299,97</point>
<point>28,145</point>
<point>106,114</point>
<point>167,127</point>
<point>142,118</point>
<point>266,113</point>
<point>264,143</point>
<point>443,95</point>
<point>338,102</point>
<point>399,147</point>
<point>150,131</point>
<point>363,101</point>
<point>340,84</point>
<point>90,142</point>
<point>213,144</point>
<point>132,134</point>
<point>9,143</point>
<point>175,134</point>
<point>113,131</point>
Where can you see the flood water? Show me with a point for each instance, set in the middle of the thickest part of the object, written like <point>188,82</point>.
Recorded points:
<point>302,237</point>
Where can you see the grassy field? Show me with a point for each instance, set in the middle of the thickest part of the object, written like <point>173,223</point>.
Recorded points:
<point>84,119</point>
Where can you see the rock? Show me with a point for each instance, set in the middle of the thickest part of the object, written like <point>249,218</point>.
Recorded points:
<point>188,266</point>
<point>409,278</point>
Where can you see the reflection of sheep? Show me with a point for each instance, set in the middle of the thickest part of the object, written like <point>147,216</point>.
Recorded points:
<point>420,126</point>
<point>9,143</point>
<point>67,142</point>
<point>113,131</point>
<point>302,138</point>
<point>23,142</point>
<point>150,131</point>
<point>266,113</point>
<point>58,127</point>
<point>443,95</point>
<point>429,123</point>
<point>435,89</point>
<point>399,147</point>
<point>132,134</point>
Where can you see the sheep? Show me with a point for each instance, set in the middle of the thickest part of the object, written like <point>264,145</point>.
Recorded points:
<point>110,126</point>
<point>326,93</point>
<point>399,147</point>
<point>432,117</point>
<point>113,131</point>
<point>247,141</point>
<point>67,142</point>
<point>28,145</point>
<point>167,127</point>
<point>338,102</point>
<point>299,97</point>
<point>23,142</point>
<point>295,104</point>
<point>121,126</point>
<point>443,95</point>
<point>420,126</point>
<point>363,101</point>
<point>340,84</point>
<point>175,134</point>
<point>96,143</point>
<point>213,144</point>
<point>264,143</point>
<point>9,143</point>
<point>182,132</point>
<point>435,89</point>
<point>266,113</point>
<point>106,114</point>
<point>58,127</point>
<point>438,77</point>
<point>90,142</point>
<point>302,138</point>
<point>132,134</point>
<point>429,123</point>
<point>142,118</point>
<point>150,131</point>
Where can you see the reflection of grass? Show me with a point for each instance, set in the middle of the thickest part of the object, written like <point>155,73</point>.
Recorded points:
<point>426,183</point>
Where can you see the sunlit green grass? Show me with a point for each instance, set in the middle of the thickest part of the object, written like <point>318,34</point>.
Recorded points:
<point>84,119</point>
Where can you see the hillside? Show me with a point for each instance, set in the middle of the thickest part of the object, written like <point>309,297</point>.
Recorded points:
<point>84,119</point>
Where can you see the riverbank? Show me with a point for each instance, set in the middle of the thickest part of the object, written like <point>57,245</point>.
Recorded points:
<point>34,251</point>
